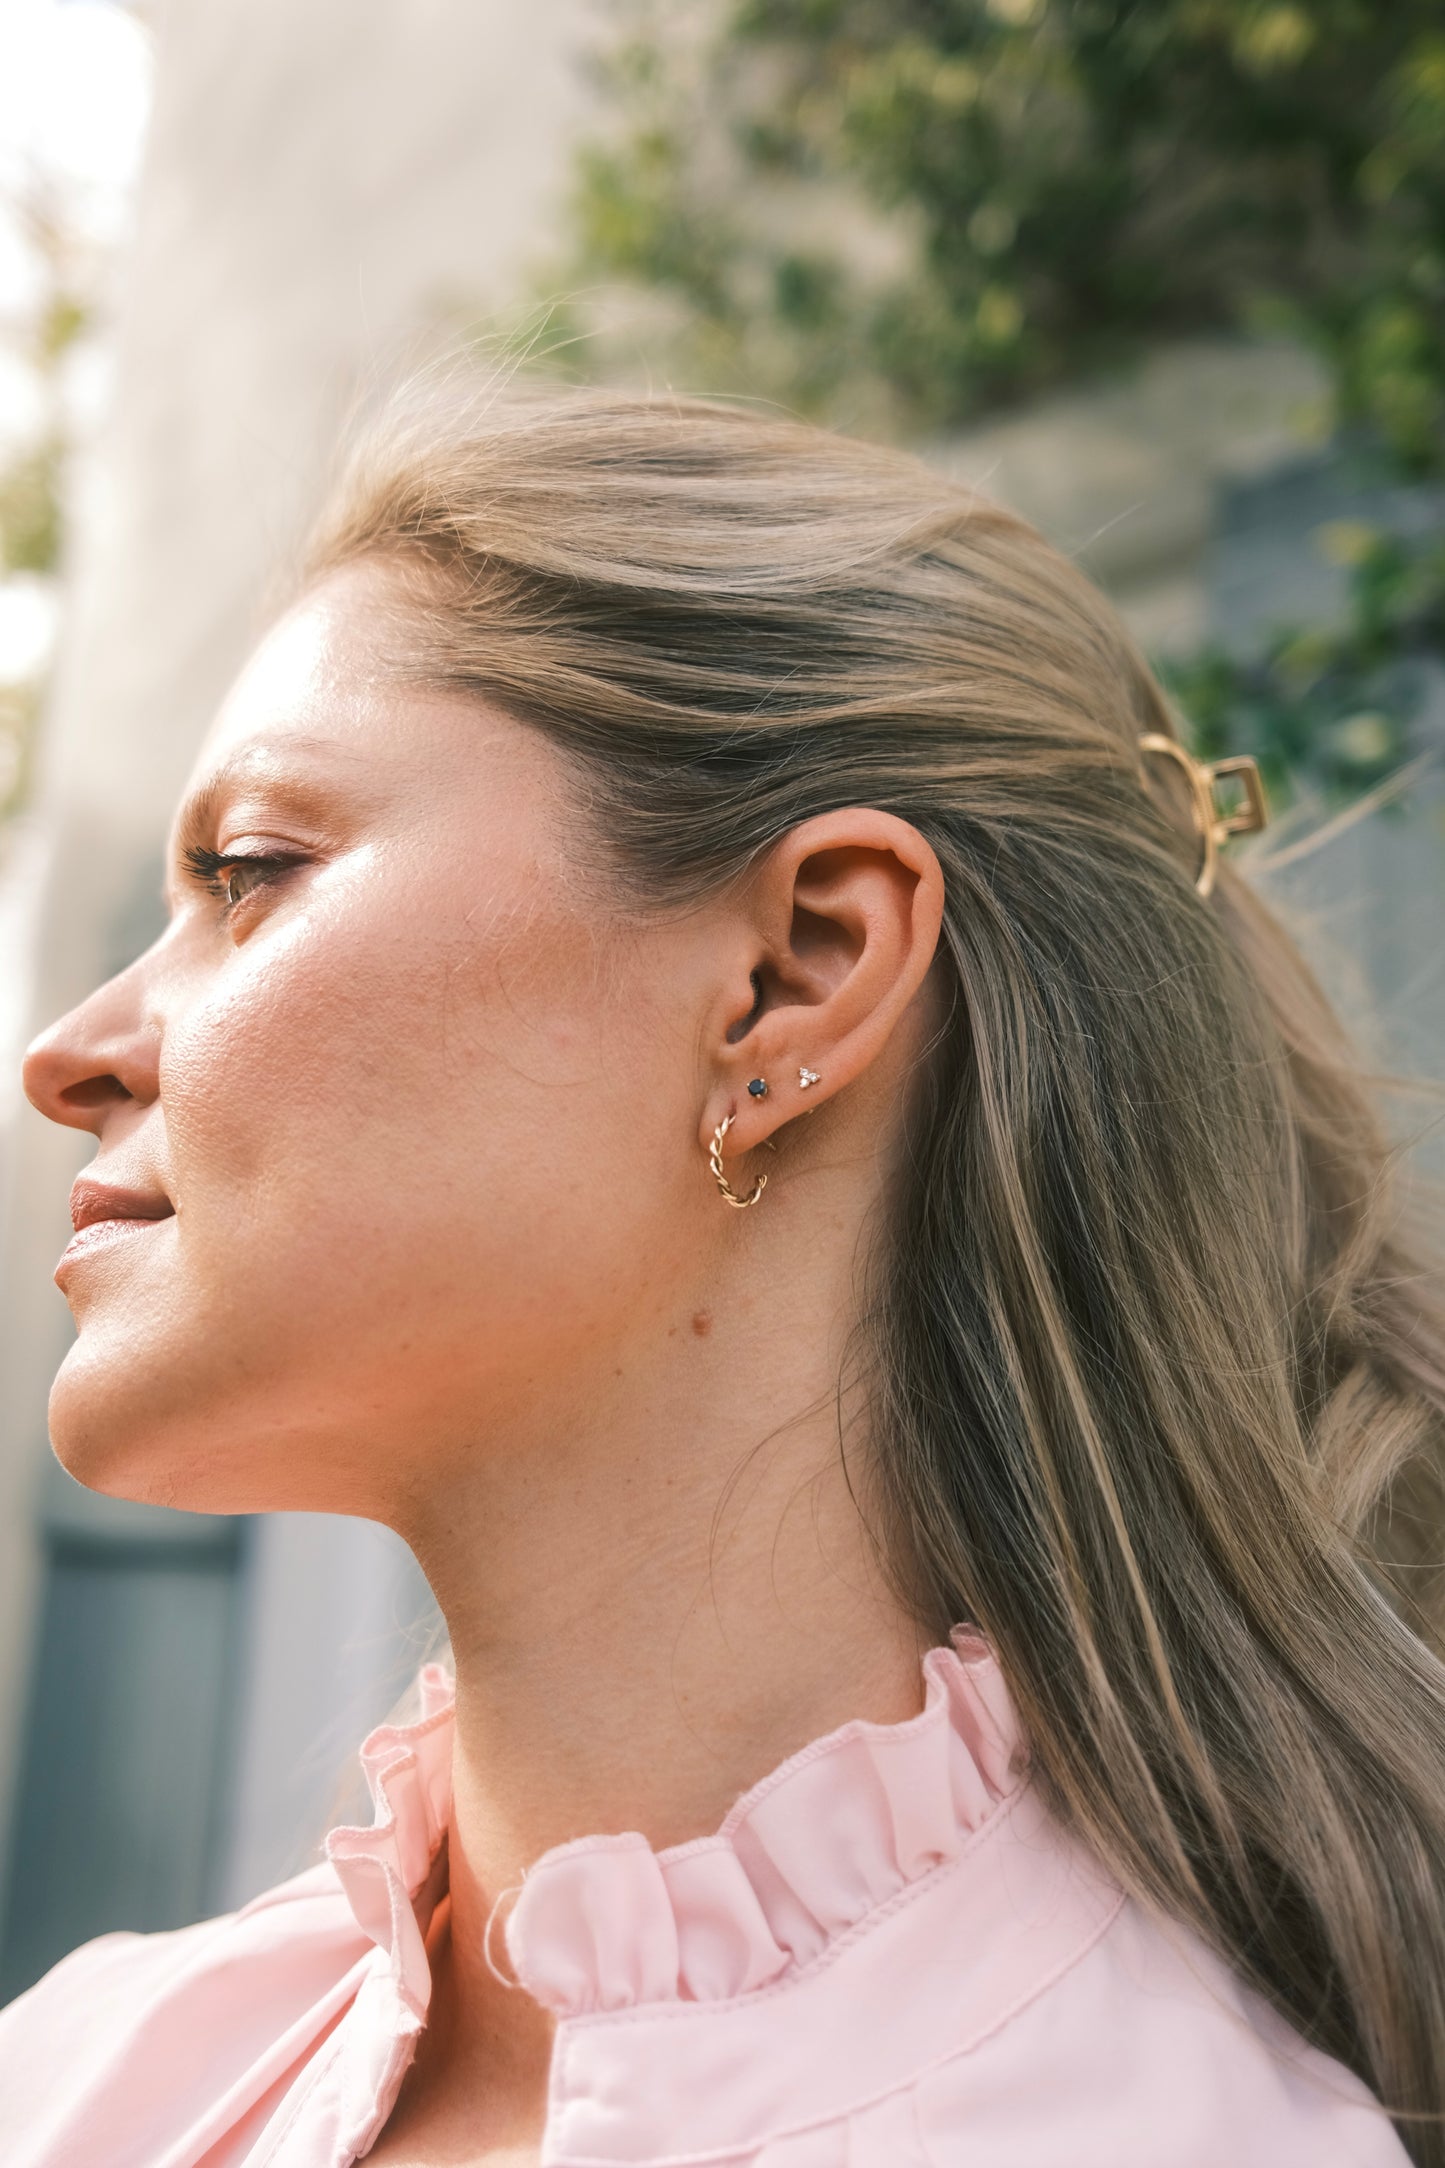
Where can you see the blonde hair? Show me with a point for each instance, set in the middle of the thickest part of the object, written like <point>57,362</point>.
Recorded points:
<point>1157,1376</point>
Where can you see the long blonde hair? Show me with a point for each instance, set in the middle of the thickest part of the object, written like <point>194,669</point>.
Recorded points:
<point>1157,1374</point>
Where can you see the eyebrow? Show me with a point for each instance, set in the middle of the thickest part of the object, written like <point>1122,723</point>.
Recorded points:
<point>246,769</point>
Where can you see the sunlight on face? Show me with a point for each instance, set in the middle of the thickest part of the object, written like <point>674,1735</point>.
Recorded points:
<point>358,1090</point>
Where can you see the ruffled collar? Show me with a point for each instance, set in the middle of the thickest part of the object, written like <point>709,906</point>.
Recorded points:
<point>801,1860</point>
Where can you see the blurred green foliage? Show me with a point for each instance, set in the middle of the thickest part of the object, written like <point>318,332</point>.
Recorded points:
<point>1338,699</point>
<point>32,478</point>
<point>1053,185</point>
<point>30,509</point>
<point>1069,178</point>
<point>30,541</point>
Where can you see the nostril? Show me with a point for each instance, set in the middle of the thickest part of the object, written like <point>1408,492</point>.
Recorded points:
<point>92,1092</point>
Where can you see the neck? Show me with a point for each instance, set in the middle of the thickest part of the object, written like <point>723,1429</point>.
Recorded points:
<point>655,1594</point>
<point>643,1632</point>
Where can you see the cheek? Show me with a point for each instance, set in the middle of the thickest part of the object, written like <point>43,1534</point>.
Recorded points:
<point>419,1158</point>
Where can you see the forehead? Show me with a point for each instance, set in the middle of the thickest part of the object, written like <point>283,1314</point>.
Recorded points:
<point>320,669</point>
<point>320,708</point>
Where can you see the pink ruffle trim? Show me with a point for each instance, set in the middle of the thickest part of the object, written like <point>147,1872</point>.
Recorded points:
<point>383,1869</point>
<point>607,1923</point>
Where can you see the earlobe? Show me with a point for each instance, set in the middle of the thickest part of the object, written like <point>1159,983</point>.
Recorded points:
<point>758,1086</point>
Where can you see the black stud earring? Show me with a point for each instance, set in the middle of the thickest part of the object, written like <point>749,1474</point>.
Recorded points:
<point>758,1088</point>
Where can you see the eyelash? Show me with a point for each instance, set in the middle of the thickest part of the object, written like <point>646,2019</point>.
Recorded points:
<point>212,868</point>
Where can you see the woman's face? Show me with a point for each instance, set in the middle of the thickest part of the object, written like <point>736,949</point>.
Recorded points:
<point>397,1113</point>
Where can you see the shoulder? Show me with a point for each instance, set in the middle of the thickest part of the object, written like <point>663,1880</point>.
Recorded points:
<point>138,2036</point>
<point>1147,2052</point>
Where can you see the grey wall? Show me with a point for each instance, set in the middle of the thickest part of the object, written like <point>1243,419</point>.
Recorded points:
<point>122,1793</point>
<point>1369,902</point>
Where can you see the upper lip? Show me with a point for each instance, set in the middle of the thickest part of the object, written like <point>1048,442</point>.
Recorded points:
<point>91,1201</point>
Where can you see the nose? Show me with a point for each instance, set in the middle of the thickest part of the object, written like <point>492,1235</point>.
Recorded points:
<point>103,1055</point>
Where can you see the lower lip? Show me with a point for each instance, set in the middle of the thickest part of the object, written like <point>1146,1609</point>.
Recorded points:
<point>102,1235</point>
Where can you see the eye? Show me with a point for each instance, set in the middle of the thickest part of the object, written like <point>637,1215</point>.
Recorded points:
<point>234,876</point>
<point>244,874</point>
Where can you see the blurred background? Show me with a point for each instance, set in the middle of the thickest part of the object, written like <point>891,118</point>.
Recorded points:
<point>1170,278</point>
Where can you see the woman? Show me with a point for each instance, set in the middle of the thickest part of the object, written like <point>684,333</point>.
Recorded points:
<point>703,1069</point>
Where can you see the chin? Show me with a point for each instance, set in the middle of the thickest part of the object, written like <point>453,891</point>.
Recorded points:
<point>162,1424</point>
<point>97,1447</point>
<point>111,1430</point>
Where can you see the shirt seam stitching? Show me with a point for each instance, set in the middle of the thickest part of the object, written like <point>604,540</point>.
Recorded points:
<point>680,2011</point>
<point>988,2031</point>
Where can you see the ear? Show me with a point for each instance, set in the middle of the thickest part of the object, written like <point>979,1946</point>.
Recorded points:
<point>837,926</point>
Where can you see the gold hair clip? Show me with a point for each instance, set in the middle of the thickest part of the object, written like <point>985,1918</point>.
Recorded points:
<point>1212,825</point>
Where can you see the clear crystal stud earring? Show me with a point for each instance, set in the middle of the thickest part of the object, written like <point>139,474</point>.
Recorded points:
<point>807,1077</point>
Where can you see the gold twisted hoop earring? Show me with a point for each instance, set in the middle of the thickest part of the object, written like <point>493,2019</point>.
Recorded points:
<point>714,1160</point>
<point>1212,825</point>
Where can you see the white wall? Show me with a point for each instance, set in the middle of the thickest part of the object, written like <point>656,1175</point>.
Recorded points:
<point>322,183</point>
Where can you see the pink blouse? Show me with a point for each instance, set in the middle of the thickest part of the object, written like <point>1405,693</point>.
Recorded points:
<point>890,1955</point>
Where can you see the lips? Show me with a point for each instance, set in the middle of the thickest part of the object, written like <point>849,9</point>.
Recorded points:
<point>92,1201</point>
<point>103,1213</point>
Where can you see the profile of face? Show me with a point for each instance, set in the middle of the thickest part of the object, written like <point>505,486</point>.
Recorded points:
<point>384,1104</point>
<point>402,1120</point>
